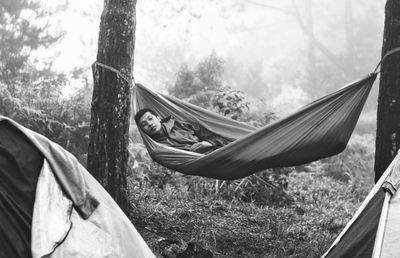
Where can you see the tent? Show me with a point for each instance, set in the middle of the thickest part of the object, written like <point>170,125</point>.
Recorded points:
<point>318,130</point>
<point>50,206</point>
<point>374,230</point>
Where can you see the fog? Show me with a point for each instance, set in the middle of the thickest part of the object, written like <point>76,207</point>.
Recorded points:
<point>283,52</point>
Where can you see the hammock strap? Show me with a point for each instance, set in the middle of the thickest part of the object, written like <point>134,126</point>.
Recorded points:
<point>394,50</point>
<point>95,64</point>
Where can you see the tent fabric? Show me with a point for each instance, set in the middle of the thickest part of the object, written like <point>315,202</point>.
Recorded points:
<point>318,130</point>
<point>72,215</point>
<point>106,233</point>
<point>73,184</point>
<point>372,232</point>
<point>360,238</point>
<point>18,178</point>
<point>52,210</point>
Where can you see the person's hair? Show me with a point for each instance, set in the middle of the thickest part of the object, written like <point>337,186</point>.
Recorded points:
<point>143,111</point>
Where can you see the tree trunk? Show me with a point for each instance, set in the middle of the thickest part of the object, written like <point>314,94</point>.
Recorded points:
<point>349,24</point>
<point>312,39</point>
<point>311,47</point>
<point>388,122</point>
<point>108,143</point>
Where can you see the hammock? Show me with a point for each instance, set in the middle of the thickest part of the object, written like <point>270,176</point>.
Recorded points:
<point>318,130</point>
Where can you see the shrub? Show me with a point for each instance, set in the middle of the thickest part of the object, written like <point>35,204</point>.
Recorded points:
<point>354,165</point>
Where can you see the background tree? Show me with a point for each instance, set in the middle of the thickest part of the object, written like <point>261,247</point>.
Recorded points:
<point>19,76</point>
<point>388,123</point>
<point>349,33</point>
<point>30,90</point>
<point>204,87</point>
<point>198,85</point>
<point>19,37</point>
<point>108,143</point>
<point>310,45</point>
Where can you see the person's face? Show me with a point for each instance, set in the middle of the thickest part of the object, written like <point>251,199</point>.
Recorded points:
<point>150,124</point>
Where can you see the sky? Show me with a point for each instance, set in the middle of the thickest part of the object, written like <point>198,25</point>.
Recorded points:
<point>79,24</point>
<point>250,35</point>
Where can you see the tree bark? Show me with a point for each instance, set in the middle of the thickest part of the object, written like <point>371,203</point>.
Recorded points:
<point>388,117</point>
<point>110,111</point>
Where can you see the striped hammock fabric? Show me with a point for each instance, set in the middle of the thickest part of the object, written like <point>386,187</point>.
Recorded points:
<point>318,130</point>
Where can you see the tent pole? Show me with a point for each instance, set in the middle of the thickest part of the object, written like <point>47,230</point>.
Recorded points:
<point>381,227</point>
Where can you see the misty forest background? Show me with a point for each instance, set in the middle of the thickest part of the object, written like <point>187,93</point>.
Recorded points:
<point>252,61</point>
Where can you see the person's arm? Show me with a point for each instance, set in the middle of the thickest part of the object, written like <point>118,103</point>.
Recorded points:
<point>202,147</point>
<point>207,136</point>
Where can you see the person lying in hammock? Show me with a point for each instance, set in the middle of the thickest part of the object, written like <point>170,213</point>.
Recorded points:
<point>178,134</point>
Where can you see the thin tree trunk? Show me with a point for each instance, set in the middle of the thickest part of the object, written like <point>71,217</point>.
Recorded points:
<point>311,47</point>
<point>108,143</point>
<point>388,117</point>
<point>322,48</point>
<point>348,23</point>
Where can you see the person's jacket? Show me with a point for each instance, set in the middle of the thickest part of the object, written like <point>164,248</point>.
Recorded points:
<point>183,135</point>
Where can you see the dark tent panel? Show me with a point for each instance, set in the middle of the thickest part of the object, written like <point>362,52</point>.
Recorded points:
<point>374,230</point>
<point>20,164</point>
<point>358,241</point>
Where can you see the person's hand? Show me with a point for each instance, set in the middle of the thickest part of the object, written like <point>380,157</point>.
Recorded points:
<point>201,147</point>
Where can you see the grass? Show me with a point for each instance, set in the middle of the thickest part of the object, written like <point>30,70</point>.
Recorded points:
<point>169,218</point>
<point>299,218</point>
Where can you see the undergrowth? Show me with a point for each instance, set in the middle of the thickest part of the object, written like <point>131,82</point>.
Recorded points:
<point>296,212</point>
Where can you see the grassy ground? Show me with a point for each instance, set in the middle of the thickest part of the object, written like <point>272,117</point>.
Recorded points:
<point>170,218</point>
<point>300,219</point>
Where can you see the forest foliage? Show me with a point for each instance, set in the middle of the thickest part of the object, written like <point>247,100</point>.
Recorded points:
<point>30,90</point>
